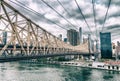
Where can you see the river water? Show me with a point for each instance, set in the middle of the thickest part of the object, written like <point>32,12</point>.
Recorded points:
<point>15,71</point>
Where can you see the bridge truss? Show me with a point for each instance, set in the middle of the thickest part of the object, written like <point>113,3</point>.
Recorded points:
<point>21,36</point>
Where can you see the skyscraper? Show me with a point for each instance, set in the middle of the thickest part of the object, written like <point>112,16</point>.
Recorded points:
<point>80,35</point>
<point>97,46</point>
<point>92,46</point>
<point>60,36</point>
<point>73,37</point>
<point>106,46</point>
<point>89,43</point>
<point>118,43</point>
<point>4,41</point>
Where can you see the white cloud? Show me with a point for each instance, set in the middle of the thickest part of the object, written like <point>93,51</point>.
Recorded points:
<point>113,16</point>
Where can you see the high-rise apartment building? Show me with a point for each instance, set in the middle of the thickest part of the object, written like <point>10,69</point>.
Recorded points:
<point>73,37</point>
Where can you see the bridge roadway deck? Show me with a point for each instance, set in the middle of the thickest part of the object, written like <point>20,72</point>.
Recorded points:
<point>28,57</point>
<point>17,46</point>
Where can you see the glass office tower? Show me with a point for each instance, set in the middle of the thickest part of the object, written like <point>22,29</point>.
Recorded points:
<point>106,46</point>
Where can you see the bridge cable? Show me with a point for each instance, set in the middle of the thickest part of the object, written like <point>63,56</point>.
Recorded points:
<point>66,10</point>
<point>35,12</point>
<point>94,14</point>
<point>58,13</point>
<point>83,16</point>
<point>106,14</point>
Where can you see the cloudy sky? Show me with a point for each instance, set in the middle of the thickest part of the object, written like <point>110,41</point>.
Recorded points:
<point>57,16</point>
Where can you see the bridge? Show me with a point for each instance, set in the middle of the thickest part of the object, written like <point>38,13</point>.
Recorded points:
<point>21,38</point>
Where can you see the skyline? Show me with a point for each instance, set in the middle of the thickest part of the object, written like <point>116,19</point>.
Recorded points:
<point>74,16</point>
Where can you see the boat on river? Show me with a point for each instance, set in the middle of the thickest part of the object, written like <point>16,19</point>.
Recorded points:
<point>108,65</point>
